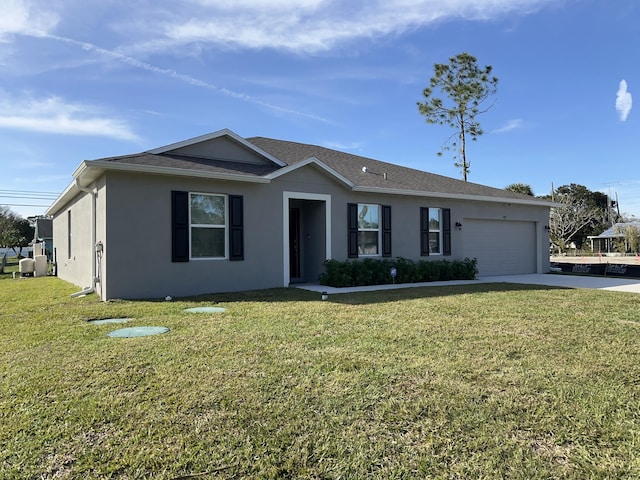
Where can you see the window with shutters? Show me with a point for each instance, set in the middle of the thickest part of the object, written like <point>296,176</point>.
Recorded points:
<point>368,229</point>
<point>208,225</point>
<point>435,231</point>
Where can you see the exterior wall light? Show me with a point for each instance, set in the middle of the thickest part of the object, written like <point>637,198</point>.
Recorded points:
<point>458,225</point>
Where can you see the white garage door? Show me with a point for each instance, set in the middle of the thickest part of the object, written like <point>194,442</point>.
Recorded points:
<point>501,247</point>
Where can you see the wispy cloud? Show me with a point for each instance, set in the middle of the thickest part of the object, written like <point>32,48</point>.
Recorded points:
<point>319,25</point>
<point>624,102</point>
<point>511,125</point>
<point>188,79</point>
<point>23,17</point>
<point>32,165</point>
<point>344,146</point>
<point>54,115</point>
<point>299,26</point>
<point>303,26</point>
<point>38,179</point>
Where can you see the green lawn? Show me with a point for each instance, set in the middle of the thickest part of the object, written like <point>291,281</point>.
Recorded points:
<point>484,381</point>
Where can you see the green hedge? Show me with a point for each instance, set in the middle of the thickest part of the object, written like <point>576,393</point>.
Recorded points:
<point>352,273</point>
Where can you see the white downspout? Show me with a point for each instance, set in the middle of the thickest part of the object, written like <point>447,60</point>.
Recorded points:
<point>90,289</point>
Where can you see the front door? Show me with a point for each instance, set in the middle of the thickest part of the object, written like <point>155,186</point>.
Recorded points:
<point>294,244</point>
<point>307,236</point>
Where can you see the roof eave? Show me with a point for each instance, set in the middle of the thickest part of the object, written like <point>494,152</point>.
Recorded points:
<point>89,170</point>
<point>102,166</point>
<point>454,196</point>
<point>64,198</point>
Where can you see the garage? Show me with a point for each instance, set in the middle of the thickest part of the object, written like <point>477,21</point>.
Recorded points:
<point>502,247</point>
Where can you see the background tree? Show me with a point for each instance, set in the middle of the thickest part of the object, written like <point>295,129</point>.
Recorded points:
<point>569,219</point>
<point>463,88</point>
<point>7,218</point>
<point>632,238</point>
<point>607,214</point>
<point>15,231</point>
<point>582,213</point>
<point>521,188</point>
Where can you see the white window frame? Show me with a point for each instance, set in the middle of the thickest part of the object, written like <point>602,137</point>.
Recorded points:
<point>224,227</point>
<point>69,235</point>
<point>379,230</point>
<point>439,231</point>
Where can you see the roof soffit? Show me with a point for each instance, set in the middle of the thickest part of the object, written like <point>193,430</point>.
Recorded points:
<point>457,196</point>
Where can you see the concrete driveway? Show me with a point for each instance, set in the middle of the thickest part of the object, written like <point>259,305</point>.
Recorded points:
<point>550,279</point>
<point>570,281</point>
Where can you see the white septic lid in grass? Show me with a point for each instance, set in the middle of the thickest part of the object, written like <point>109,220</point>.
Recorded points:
<point>104,321</point>
<point>137,332</point>
<point>205,310</point>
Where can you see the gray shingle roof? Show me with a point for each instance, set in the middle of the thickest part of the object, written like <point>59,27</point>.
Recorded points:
<point>379,175</point>
<point>397,177</point>
<point>192,163</point>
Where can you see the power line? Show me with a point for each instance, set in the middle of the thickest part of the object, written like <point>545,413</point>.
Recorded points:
<point>27,195</point>
<point>26,191</point>
<point>23,205</point>
<point>18,195</point>
<point>17,192</point>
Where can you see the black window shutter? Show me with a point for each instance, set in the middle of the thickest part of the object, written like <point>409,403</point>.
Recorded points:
<point>236,227</point>
<point>446,231</point>
<point>179,226</point>
<point>386,230</point>
<point>352,218</point>
<point>424,231</point>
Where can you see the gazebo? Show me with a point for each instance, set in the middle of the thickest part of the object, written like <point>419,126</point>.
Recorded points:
<point>606,241</point>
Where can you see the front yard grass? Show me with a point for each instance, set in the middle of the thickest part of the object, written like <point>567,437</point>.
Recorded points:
<point>482,381</point>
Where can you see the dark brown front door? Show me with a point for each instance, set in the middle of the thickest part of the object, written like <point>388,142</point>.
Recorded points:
<point>294,243</point>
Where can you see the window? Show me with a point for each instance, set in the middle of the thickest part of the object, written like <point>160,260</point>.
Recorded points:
<point>205,225</point>
<point>208,221</point>
<point>69,234</point>
<point>368,229</point>
<point>435,231</point>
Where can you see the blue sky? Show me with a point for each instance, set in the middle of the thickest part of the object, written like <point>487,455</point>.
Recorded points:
<point>84,80</point>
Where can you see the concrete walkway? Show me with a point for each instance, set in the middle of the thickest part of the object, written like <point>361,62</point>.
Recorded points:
<point>550,279</point>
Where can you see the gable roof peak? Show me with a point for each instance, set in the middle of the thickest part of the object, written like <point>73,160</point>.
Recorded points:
<point>225,132</point>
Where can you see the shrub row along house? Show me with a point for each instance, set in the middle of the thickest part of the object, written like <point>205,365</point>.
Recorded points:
<point>222,213</point>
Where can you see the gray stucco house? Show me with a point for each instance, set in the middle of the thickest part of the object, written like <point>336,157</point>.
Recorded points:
<point>222,213</point>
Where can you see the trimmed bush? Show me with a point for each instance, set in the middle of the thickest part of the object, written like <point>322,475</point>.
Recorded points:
<point>369,271</point>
